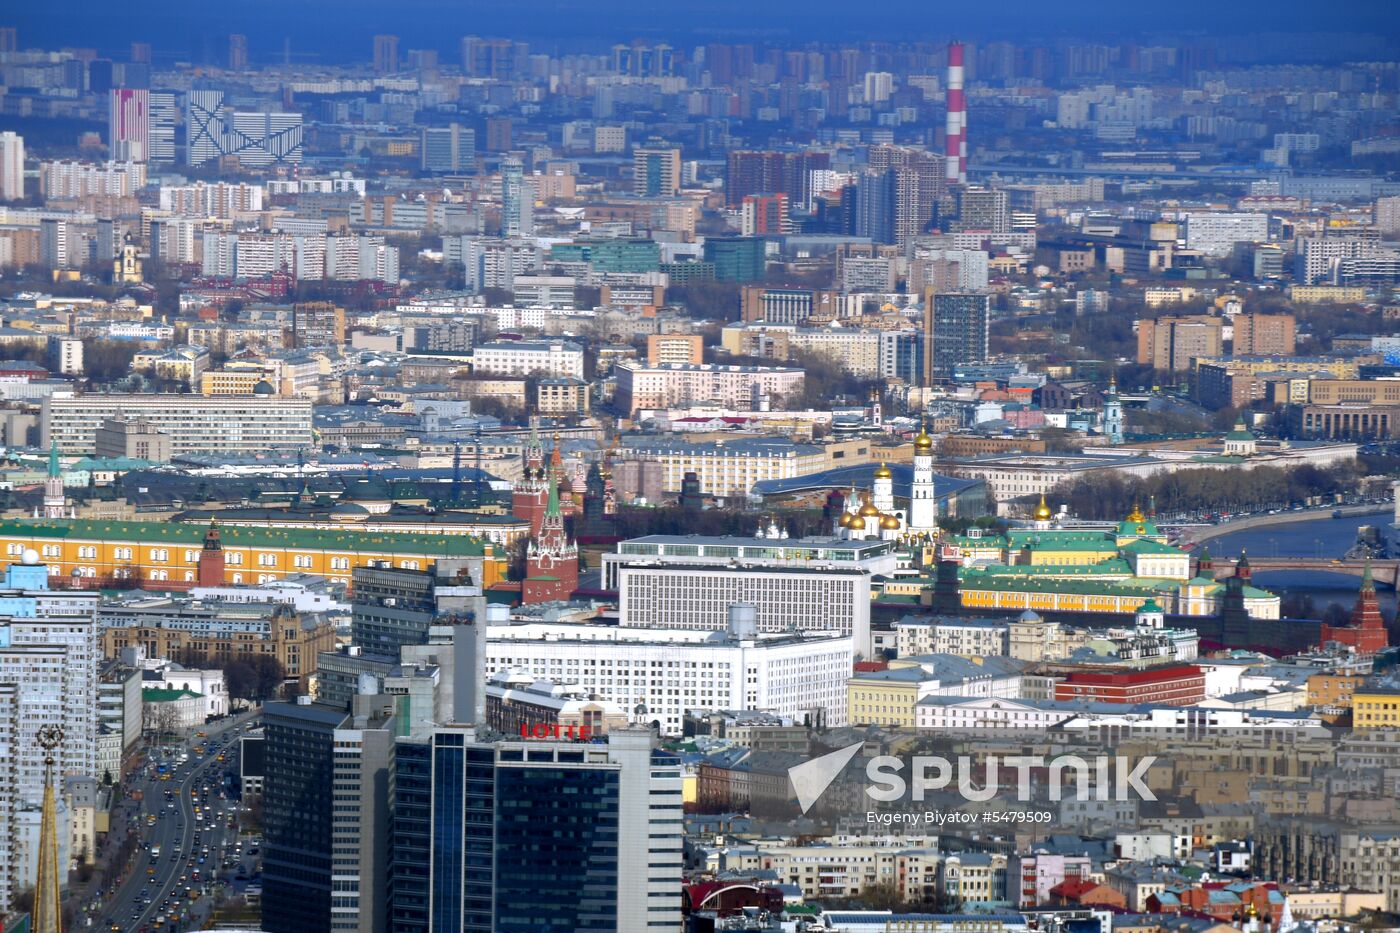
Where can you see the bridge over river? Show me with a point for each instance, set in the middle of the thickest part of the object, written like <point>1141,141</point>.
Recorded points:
<point>1384,572</point>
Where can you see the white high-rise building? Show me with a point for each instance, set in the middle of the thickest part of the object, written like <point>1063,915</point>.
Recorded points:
<point>1387,215</point>
<point>48,677</point>
<point>220,254</point>
<point>129,124</point>
<point>11,166</point>
<point>164,115</point>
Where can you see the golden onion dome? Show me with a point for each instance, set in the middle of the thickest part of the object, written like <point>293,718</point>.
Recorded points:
<point>868,510</point>
<point>889,523</point>
<point>1136,514</point>
<point>857,523</point>
<point>883,471</point>
<point>845,520</point>
<point>923,441</point>
<point>1042,511</point>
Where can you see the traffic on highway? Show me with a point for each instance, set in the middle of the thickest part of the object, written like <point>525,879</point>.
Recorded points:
<point>194,848</point>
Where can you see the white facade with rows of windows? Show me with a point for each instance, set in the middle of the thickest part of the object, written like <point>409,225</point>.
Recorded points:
<point>669,672</point>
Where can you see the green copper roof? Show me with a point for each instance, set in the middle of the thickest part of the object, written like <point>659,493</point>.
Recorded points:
<point>162,695</point>
<point>234,536</point>
<point>552,508</point>
<point>1111,567</point>
<point>1146,546</point>
<point>53,460</point>
<point>1240,433</point>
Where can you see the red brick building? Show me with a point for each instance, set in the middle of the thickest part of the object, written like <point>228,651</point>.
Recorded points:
<point>1172,685</point>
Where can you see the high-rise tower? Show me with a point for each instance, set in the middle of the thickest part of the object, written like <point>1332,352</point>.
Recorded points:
<point>955,143</point>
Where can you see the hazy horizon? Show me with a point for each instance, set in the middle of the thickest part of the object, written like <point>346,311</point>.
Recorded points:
<point>341,31</point>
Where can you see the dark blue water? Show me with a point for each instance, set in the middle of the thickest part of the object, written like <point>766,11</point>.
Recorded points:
<point>1319,537</point>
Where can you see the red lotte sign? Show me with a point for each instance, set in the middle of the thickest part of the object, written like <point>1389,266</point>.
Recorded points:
<point>553,730</point>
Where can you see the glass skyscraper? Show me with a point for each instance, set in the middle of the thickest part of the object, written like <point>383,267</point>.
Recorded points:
<point>535,836</point>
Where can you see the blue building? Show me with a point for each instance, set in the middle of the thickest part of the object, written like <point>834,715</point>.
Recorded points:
<point>535,836</point>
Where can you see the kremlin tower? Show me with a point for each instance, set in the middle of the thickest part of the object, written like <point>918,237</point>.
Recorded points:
<point>527,497</point>
<point>55,501</point>
<point>1365,633</point>
<point>551,563</point>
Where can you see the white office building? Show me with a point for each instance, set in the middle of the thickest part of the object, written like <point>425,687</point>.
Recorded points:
<point>1215,233</point>
<point>657,675</point>
<point>560,359</point>
<point>690,582</point>
<point>226,425</point>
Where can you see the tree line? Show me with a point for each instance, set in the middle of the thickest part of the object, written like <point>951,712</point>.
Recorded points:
<point>1113,495</point>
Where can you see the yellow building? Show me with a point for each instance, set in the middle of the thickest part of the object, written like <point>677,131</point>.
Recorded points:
<point>293,641</point>
<point>167,555</point>
<point>1326,294</point>
<point>1333,690</point>
<point>232,382</point>
<point>1375,708</point>
<point>884,698</point>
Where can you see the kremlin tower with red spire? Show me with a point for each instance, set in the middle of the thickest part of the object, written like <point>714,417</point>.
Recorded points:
<point>551,563</point>
<point>527,497</point>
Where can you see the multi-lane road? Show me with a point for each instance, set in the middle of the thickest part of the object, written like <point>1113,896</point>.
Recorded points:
<point>155,892</point>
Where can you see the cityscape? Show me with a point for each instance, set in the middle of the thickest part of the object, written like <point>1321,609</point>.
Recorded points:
<point>608,468</point>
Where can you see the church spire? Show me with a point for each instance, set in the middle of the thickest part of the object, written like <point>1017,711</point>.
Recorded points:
<point>54,470</point>
<point>48,905</point>
<point>552,505</point>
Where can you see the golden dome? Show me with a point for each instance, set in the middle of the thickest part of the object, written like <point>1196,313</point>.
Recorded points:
<point>868,510</point>
<point>923,441</point>
<point>857,523</point>
<point>889,523</point>
<point>845,519</point>
<point>1136,514</point>
<point>883,471</point>
<point>1042,511</point>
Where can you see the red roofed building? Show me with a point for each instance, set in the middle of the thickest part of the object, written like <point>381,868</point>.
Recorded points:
<point>1173,685</point>
<point>1077,893</point>
<point>727,898</point>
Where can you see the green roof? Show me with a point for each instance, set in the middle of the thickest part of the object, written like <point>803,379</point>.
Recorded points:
<point>1057,536</point>
<point>1101,544</point>
<point>1146,546</point>
<point>1240,433</point>
<point>969,541</point>
<point>162,695</point>
<point>310,539</point>
<point>1111,567</point>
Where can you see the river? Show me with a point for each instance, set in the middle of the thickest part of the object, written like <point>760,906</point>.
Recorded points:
<point>1321,536</point>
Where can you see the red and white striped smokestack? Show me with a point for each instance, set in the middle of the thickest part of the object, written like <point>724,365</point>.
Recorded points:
<point>955,143</point>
